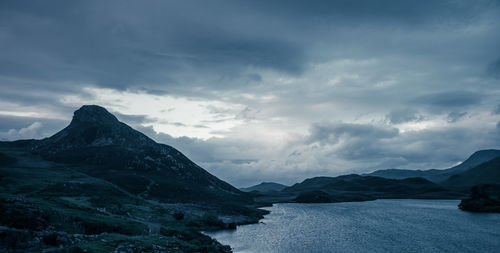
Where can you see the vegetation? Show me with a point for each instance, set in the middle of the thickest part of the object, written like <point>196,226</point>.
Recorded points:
<point>483,198</point>
<point>48,206</point>
<point>100,186</point>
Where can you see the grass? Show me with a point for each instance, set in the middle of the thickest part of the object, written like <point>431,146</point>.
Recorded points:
<point>53,201</point>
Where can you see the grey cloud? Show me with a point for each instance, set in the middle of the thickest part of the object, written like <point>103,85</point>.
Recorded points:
<point>496,110</point>
<point>122,44</point>
<point>328,132</point>
<point>179,124</point>
<point>451,99</point>
<point>365,147</point>
<point>15,127</point>
<point>132,119</point>
<point>248,114</point>
<point>361,141</point>
<point>403,115</point>
<point>138,120</point>
<point>30,132</point>
<point>455,116</point>
<point>425,149</point>
<point>157,45</point>
<point>494,69</point>
<point>407,11</point>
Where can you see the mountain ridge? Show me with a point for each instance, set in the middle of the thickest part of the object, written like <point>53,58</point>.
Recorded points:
<point>484,173</point>
<point>264,187</point>
<point>98,144</point>
<point>98,186</point>
<point>435,175</point>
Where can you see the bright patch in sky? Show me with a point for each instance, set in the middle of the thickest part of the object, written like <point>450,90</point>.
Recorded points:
<point>176,116</point>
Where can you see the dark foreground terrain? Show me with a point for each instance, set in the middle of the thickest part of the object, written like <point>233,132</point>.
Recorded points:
<point>100,186</point>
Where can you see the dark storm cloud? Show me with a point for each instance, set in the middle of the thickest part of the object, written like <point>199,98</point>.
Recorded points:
<point>123,44</point>
<point>406,11</point>
<point>153,45</point>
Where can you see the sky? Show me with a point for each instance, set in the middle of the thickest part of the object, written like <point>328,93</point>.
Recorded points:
<point>263,90</point>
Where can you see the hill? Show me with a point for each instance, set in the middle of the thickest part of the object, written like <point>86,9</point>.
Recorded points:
<point>358,188</point>
<point>96,143</point>
<point>264,187</point>
<point>100,186</point>
<point>485,173</point>
<point>434,175</point>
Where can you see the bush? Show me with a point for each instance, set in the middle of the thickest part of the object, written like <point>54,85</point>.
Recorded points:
<point>76,249</point>
<point>213,221</point>
<point>50,239</point>
<point>231,225</point>
<point>178,215</point>
<point>6,160</point>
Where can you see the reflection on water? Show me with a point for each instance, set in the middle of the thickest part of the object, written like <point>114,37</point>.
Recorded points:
<point>373,226</point>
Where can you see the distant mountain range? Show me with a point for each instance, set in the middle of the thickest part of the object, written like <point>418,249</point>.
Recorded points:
<point>265,187</point>
<point>434,175</point>
<point>359,188</point>
<point>482,167</point>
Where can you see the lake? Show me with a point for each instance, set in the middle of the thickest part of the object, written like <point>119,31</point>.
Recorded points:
<point>372,226</point>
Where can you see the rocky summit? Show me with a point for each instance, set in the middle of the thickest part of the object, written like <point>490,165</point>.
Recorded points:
<point>94,126</point>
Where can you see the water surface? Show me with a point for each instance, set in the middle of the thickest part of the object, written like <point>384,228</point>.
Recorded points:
<point>373,226</point>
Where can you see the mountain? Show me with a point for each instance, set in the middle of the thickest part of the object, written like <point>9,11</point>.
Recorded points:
<point>434,175</point>
<point>264,187</point>
<point>485,173</point>
<point>96,143</point>
<point>100,186</point>
<point>401,174</point>
<point>358,188</point>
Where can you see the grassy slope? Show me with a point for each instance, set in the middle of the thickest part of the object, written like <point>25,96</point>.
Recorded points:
<point>485,173</point>
<point>46,200</point>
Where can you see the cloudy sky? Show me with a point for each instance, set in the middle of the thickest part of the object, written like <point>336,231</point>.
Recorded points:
<point>263,90</point>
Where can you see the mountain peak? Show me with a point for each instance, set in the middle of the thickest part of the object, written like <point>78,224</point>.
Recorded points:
<point>94,126</point>
<point>93,114</point>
